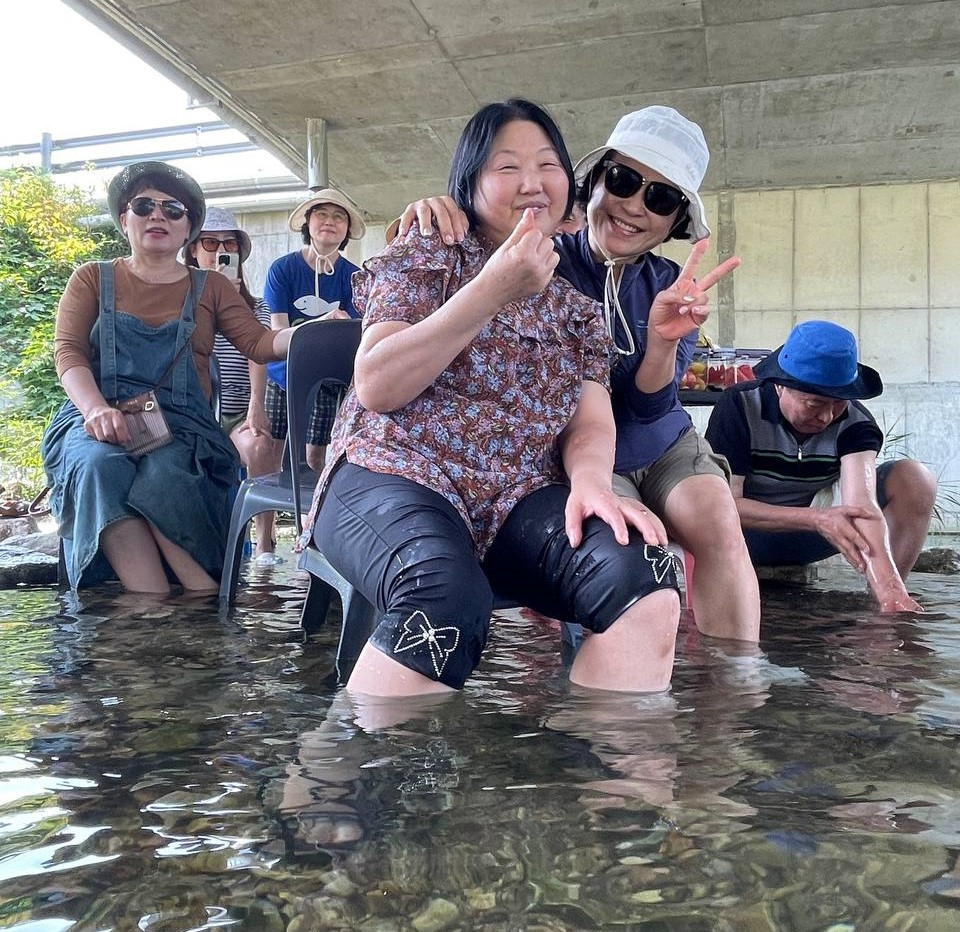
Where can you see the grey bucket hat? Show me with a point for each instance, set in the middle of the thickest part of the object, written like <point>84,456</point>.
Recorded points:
<point>172,180</point>
<point>221,220</point>
<point>669,143</point>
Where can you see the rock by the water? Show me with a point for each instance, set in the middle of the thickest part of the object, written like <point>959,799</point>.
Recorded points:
<point>47,542</point>
<point>788,575</point>
<point>17,527</point>
<point>22,567</point>
<point>943,560</point>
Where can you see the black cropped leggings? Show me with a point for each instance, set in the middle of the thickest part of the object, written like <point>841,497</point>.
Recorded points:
<point>408,551</point>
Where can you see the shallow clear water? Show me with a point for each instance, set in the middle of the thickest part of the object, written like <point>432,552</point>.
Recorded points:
<point>164,769</point>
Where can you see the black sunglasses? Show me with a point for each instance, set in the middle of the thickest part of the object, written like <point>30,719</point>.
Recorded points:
<point>144,206</point>
<point>658,197</point>
<point>212,244</point>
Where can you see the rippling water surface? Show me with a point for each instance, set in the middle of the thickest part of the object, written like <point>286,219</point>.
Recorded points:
<point>162,768</point>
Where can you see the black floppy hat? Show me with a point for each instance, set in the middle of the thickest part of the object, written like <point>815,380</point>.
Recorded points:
<point>175,181</point>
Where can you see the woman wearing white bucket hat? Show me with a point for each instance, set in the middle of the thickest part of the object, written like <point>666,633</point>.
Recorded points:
<point>640,189</point>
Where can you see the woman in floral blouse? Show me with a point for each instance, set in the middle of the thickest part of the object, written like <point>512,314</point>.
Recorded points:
<point>474,452</point>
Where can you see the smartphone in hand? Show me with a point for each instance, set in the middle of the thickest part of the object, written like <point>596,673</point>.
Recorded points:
<point>228,263</point>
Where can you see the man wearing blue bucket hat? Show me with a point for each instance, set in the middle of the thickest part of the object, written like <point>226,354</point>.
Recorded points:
<point>803,451</point>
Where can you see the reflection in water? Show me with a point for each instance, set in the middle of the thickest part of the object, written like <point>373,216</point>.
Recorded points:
<point>164,768</point>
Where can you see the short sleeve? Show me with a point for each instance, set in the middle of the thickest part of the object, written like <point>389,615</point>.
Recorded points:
<point>861,435</point>
<point>408,281</point>
<point>727,432</point>
<point>276,290</point>
<point>262,312</point>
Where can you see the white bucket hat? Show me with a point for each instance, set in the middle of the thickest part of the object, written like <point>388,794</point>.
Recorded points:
<point>329,196</point>
<point>221,220</point>
<point>670,144</point>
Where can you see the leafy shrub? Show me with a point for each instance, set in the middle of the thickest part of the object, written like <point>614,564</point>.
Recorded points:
<point>42,240</point>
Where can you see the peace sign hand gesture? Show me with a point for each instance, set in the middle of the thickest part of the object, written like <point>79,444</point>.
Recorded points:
<point>684,306</point>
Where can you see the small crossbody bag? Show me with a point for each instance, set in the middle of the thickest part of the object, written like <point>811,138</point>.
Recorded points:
<point>146,423</point>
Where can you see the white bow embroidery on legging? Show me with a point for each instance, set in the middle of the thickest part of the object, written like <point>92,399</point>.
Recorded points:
<point>661,560</point>
<point>417,631</point>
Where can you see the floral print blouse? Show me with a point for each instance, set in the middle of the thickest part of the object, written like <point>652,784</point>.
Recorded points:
<point>484,434</point>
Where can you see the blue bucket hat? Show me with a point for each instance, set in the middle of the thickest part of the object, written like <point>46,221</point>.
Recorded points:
<point>820,358</point>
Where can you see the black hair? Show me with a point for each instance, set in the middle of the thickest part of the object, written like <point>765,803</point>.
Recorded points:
<point>305,227</point>
<point>681,226</point>
<point>473,149</point>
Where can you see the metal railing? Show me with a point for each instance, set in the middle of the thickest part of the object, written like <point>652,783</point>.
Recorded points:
<point>48,146</point>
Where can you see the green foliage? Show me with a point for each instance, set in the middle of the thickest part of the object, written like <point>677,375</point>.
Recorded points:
<point>897,445</point>
<point>42,240</point>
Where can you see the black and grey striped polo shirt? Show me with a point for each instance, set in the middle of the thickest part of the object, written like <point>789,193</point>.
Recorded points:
<point>779,465</point>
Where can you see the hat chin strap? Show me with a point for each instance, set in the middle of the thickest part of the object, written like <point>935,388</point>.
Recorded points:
<point>322,265</point>
<point>612,310</point>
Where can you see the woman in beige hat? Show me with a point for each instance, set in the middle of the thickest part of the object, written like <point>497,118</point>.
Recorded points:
<point>312,282</point>
<point>640,189</point>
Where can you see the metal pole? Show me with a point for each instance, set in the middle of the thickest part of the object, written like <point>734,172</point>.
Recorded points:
<point>46,152</point>
<point>317,176</point>
<point>163,156</point>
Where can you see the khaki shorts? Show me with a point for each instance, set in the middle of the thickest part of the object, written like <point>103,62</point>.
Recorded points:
<point>229,421</point>
<point>691,455</point>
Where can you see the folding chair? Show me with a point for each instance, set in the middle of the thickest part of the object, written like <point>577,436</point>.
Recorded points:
<point>215,386</point>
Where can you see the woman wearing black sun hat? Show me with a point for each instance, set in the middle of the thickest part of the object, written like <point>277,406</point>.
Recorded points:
<point>124,327</point>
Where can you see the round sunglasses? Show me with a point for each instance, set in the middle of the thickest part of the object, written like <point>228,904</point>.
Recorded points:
<point>658,197</point>
<point>212,244</point>
<point>144,206</point>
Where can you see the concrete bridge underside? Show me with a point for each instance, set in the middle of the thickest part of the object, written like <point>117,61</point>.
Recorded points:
<point>791,93</point>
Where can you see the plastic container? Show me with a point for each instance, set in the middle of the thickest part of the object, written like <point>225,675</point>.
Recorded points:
<point>744,367</point>
<point>719,367</point>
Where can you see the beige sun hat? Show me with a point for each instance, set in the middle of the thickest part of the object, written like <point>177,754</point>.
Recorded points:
<point>670,144</point>
<point>329,196</point>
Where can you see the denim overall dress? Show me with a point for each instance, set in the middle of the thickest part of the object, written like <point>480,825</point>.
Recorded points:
<point>184,489</point>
